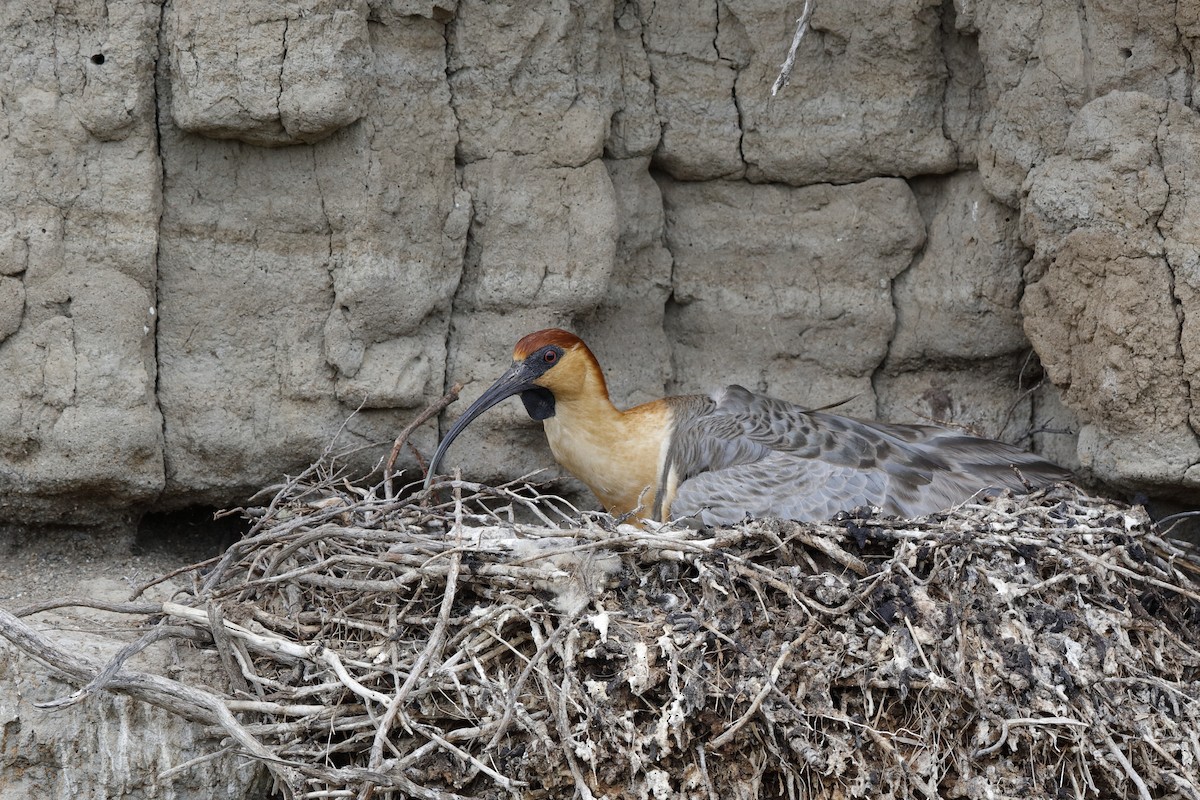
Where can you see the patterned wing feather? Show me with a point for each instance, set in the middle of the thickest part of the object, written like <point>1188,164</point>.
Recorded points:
<point>778,485</point>
<point>740,454</point>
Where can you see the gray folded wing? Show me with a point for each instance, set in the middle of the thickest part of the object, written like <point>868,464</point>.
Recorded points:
<point>740,454</point>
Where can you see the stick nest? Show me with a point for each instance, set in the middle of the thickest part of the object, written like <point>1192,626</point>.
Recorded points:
<point>1018,647</point>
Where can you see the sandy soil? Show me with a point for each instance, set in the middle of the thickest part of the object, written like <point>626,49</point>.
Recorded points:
<point>40,565</point>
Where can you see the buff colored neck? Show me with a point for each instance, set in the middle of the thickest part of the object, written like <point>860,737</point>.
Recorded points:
<point>618,454</point>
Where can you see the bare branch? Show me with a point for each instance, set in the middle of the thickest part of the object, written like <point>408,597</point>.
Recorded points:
<point>785,71</point>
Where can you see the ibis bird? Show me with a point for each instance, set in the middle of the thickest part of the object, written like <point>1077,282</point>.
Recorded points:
<point>735,454</point>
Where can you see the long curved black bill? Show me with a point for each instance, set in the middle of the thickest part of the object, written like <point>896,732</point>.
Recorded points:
<point>514,381</point>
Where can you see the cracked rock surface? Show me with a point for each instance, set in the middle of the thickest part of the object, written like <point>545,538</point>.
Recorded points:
<point>234,230</point>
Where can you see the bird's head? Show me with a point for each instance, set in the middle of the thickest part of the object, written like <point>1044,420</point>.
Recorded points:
<point>548,367</point>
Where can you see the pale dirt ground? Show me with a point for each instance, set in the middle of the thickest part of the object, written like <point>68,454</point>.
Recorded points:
<point>42,565</point>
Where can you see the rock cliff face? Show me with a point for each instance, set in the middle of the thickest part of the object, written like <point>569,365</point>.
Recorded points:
<point>229,225</point>
<point>58,744</point>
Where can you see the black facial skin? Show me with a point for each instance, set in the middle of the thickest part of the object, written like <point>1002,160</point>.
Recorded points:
<point>538,400</point>
<point>540,361</point>
<point>539,403</point>
<point>517,379</point>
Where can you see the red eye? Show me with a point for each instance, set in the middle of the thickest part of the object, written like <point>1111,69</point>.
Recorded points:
<point>550,356</point>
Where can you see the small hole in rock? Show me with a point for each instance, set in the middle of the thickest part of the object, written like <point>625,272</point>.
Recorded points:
<point>188,534</point>
<point>98,58</point>
<point>1126,52</point>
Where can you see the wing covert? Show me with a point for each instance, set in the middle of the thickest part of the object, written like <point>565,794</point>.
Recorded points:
<point>739,453</point>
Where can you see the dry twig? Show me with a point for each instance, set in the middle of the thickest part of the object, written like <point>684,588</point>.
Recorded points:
<point>384,648</point>
<point>785,71</point>
<point>435,408</point>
